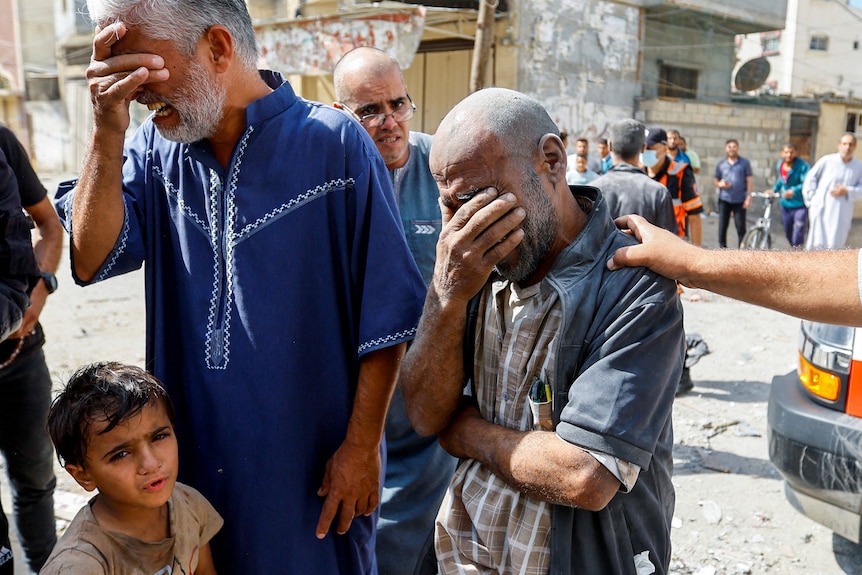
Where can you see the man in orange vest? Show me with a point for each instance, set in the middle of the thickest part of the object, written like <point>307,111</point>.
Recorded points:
<point>678,178</point>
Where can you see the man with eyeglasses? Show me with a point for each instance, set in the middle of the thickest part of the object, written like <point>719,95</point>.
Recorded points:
<point>370,86</point>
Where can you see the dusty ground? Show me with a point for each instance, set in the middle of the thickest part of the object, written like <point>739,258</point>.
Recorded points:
<point>731,515</point>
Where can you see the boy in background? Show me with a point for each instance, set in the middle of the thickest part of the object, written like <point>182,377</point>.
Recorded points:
<point>581,175</point>
<point>113,428</point>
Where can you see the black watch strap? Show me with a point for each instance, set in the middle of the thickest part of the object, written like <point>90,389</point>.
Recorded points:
<point>50,281</point>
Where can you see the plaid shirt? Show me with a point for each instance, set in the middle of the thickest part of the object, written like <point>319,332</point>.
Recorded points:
<point>485,525</point>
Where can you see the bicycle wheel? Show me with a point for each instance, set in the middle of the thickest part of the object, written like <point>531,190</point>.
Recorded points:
<point>756,239</point>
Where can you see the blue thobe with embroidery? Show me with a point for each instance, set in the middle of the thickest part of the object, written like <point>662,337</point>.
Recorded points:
<point>266,283</point>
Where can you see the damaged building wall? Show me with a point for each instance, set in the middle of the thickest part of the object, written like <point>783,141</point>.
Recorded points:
<point>710,55</point>
<point>760,130</point>
<point>580,59</point>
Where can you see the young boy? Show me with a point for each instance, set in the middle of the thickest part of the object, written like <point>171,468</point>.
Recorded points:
<point>581,175</point>
<point>113,427</point>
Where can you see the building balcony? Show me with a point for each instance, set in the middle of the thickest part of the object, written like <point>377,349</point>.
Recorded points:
<point>726,17</point>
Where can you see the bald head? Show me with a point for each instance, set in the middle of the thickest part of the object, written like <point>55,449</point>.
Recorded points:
<point>505,140</point>
<point>516,121</point>
<point>370,86</point>
<point>359,66</point>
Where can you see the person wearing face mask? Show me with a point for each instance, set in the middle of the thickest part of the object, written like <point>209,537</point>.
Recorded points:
<point>627,189</point>
<point>678,178</point>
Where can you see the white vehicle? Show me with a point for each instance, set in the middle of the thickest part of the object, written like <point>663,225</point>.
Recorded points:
<point>815,428</point>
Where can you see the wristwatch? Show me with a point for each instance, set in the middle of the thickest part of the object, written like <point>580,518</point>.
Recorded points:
<point>50,281</point>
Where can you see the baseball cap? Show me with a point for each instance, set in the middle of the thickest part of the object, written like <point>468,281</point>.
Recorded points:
<point>655,135</point>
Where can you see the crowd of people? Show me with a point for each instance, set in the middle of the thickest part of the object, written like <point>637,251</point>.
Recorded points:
<point>493,363</point>
<point>817,203</point>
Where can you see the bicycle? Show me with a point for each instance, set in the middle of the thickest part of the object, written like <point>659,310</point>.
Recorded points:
<point>759,236</point>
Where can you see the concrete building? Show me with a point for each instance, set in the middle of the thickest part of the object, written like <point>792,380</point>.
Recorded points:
<point>688,58</point>
<point>590,63</point>
<point>812,61</point>
<point>814,52</point>
<point>28,70</point>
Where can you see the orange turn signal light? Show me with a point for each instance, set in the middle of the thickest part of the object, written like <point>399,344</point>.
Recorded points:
<point>820,383</point>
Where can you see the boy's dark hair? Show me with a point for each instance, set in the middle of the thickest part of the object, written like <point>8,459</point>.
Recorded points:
<point>107,391</point>
<point>627,138</point>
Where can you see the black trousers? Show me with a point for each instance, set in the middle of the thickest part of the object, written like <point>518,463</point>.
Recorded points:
<point>725,209</point>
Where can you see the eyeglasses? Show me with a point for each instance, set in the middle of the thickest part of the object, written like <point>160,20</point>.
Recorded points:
<point>376,120</point>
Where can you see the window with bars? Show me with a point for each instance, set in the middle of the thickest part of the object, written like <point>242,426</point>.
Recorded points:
<point>677,82</point>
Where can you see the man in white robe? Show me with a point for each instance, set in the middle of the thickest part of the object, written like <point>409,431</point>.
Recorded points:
<point>831,188</point>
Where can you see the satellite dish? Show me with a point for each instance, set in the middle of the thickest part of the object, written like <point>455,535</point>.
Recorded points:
<point>752,75</point>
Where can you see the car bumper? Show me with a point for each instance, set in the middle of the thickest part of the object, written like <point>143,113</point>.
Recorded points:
<point>819,452</point>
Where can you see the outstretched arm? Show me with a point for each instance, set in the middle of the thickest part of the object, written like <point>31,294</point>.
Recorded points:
<point>97,209</point>
<point>819,286</point>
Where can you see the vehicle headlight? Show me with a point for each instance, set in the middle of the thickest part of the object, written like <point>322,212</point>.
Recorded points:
<point>825,354</point>
<point>818,381</point>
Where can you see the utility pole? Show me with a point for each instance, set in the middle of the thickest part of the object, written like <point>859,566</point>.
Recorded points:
<point>482,45</point>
